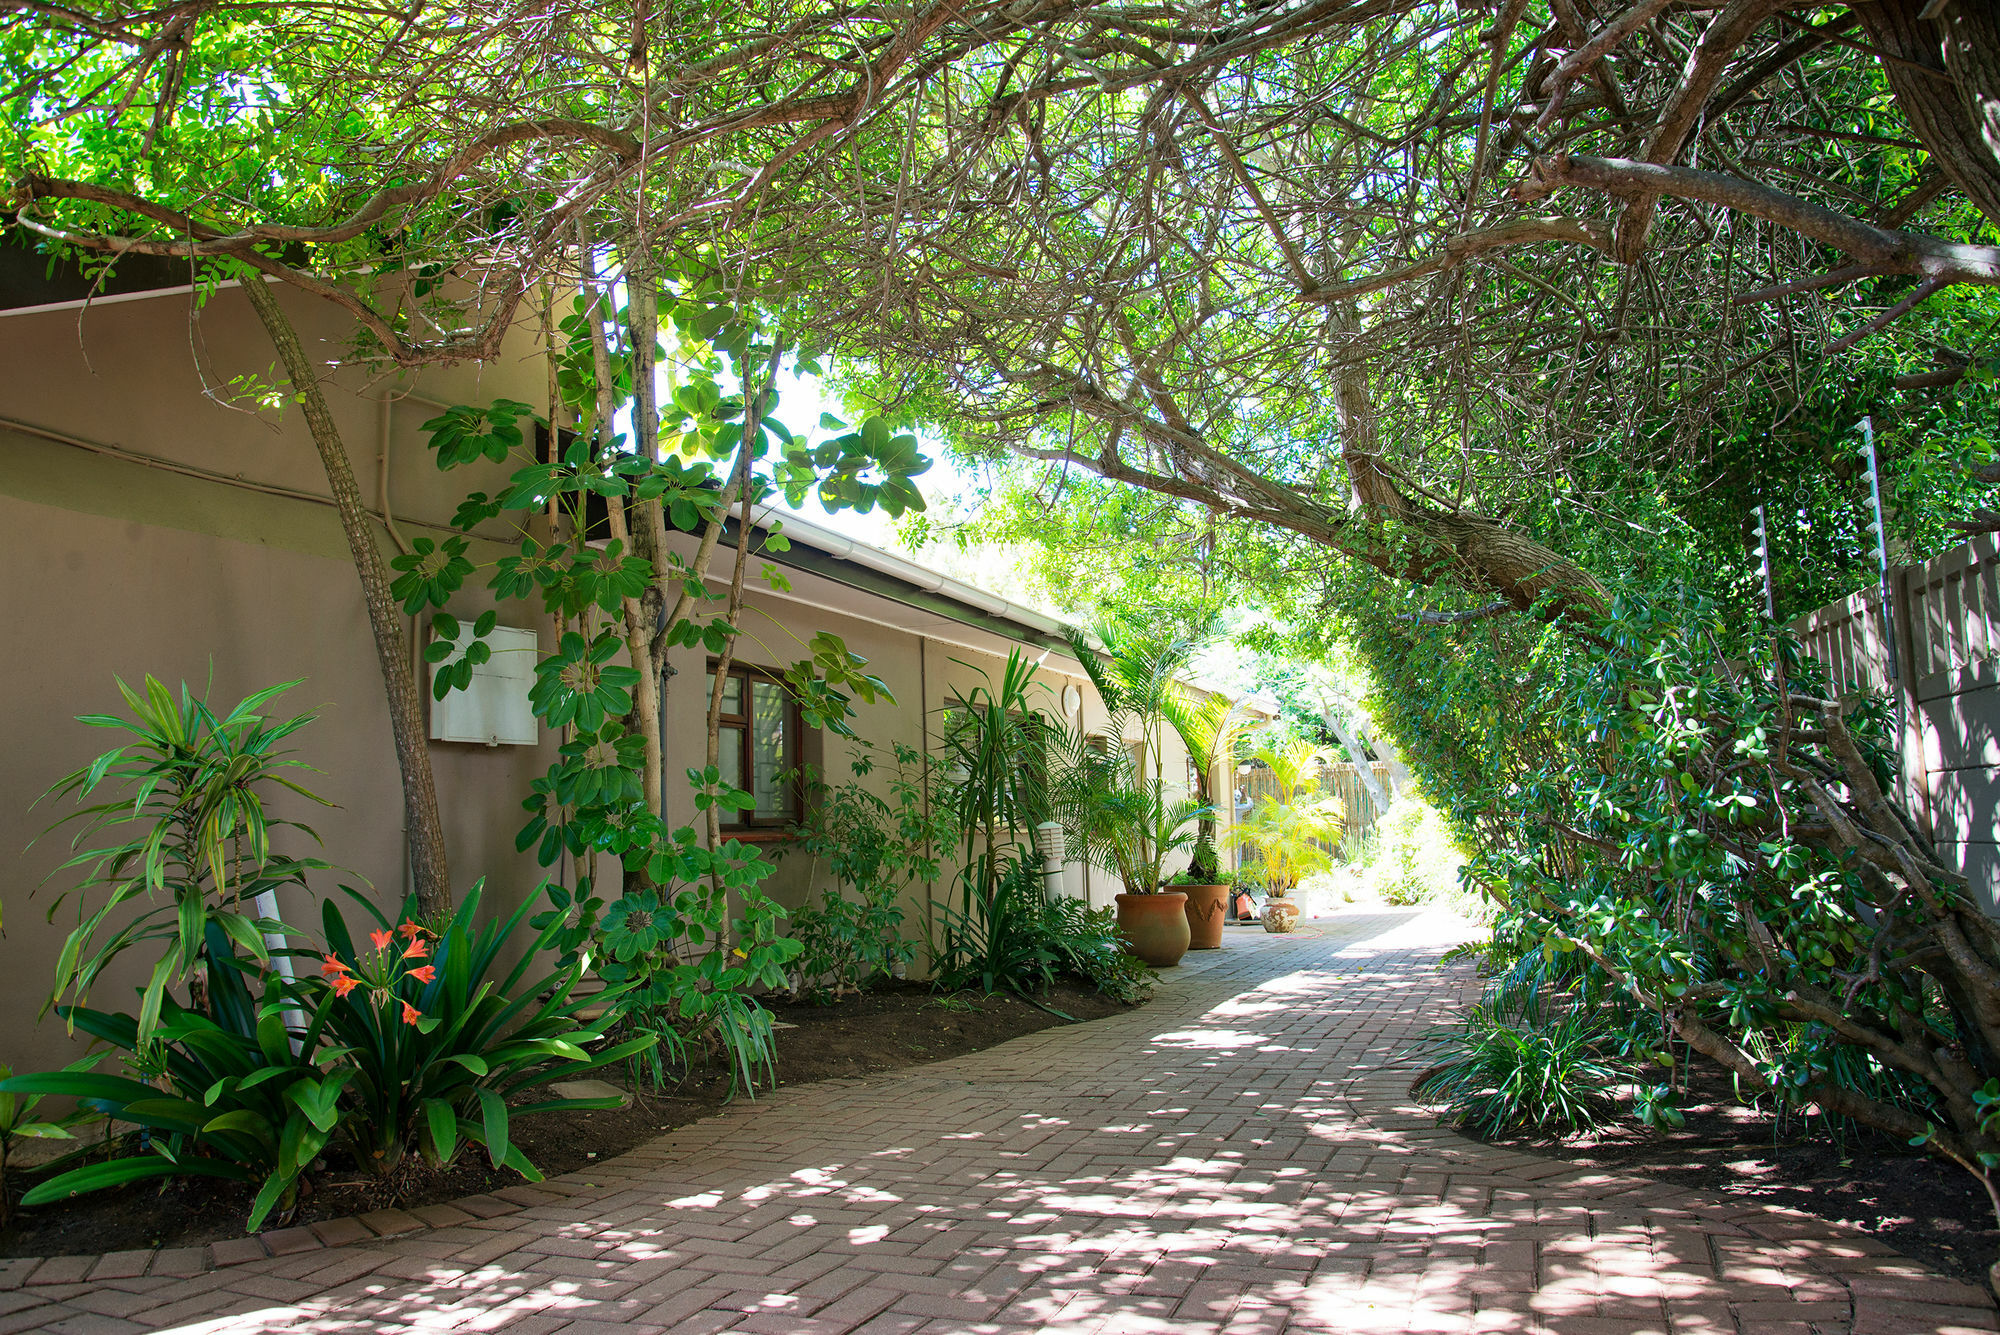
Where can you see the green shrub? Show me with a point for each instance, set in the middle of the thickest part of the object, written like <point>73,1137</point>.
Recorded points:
<point>409,1044</point>
<point>222,1097</point>
<point>1414,859</point>
<point>19,1120</point>
<point>996,941</point>
<point>1088,948</point>
<point>876,850</point>
<point>1022,942</point>
<point>1549,1073</point>
<point>679,969</point>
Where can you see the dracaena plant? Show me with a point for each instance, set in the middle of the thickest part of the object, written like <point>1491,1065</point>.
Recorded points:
<point>183,804</point>
<point>230,1094</point>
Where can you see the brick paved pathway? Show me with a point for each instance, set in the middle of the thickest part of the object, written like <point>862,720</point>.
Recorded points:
<point>1239,1158</point>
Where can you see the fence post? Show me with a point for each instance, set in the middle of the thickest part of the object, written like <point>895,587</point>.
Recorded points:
<point>1914,773</point>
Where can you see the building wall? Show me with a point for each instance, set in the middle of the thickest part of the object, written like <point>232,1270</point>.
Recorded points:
<point>116,568</point>
<point>230,576</point>
<point>924,674</point>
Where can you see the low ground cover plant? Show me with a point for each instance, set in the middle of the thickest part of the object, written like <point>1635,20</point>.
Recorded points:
<point>1544,1051</point>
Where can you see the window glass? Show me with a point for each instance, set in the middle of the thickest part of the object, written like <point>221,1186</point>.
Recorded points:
<point>729,756</point>
<point>732,694</point>
<point>758,748</point>
<point>769,754</point>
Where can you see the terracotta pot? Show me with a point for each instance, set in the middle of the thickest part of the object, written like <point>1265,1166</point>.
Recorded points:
<point>1155,927</point>
<point>1206,908</point>
<point>1280,915</point>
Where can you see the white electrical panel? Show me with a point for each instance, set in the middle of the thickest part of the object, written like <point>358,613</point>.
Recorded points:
<point>493,710</point>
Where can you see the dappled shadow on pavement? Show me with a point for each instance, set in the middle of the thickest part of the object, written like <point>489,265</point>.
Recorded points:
<point>1239,1158</point>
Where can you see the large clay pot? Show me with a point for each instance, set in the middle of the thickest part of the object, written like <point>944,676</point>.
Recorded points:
<point>1207,906</point>
<point>1280,915</point>
<point>1155,927</point>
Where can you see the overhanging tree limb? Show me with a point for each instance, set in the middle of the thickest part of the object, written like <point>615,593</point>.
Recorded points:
<point>428,868</point>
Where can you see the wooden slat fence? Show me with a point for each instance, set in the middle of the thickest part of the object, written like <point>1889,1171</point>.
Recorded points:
<point>1341,779</point>
<point>1946,692</point>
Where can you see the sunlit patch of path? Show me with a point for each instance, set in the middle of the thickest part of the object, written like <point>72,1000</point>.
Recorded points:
<point>1239,1158</point>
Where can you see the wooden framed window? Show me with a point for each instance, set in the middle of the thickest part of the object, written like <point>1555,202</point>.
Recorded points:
<point>761,732</point>
<point>1030,761</point>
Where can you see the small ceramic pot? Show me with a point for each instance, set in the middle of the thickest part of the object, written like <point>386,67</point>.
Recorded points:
<point>1280,915</point>
<point>1207,907</point>
<point>1155,927</point>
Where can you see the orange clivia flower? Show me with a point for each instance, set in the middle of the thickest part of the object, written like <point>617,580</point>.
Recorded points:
<point>418,949</point>
<point>344,984</point>
<point>381,939</point>
<point>332,965</point>
<point>427,974</point>
<point>411,930</point>
<point>411,1014</point>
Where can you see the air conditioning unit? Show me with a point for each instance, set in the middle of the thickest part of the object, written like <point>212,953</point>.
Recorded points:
<point>494,709</point>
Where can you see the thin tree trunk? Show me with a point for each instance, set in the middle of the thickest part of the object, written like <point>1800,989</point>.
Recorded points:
<point>716,687</point>
<point>638,629</point>
<point>648,532</point>
<point>753,411</point>
<point>1356,753</point>
<point>406,711</point>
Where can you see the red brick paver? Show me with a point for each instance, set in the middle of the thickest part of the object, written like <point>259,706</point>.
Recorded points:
<point>1239,1158</point>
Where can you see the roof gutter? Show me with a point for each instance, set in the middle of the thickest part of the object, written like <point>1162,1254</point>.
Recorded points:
<point>837,544</point>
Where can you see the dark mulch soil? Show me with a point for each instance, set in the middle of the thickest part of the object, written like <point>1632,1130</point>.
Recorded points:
<point>904,1025</point>
<point>1922,1206</point>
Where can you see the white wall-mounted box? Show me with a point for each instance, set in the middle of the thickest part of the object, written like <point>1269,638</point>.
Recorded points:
<point>494,709</point>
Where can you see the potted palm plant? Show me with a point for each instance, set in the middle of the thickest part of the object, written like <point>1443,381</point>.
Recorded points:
<point>1131,829</point>
<point>1206,725</point>
<point>1117,804</point>
<point>1292,831</point>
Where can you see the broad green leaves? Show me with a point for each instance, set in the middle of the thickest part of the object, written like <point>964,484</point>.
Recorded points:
<point>857,470</point>
<point>463,434</point>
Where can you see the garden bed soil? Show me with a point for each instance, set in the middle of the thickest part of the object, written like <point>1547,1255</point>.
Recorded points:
<point>904,1025</point>
<point>1922,1206</point>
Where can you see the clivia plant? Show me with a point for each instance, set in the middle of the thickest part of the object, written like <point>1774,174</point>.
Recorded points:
<point>410,1045</point>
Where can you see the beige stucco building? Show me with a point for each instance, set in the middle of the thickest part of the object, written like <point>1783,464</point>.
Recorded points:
<point>153,521</point>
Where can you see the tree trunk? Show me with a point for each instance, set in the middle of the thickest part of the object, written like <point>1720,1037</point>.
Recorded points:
<point>728,654</point>
<point>1446,543</point>
<point>1363,768</point>
<point>406,711</point>
<point>648,536</point>
<point>1945,73</point>
<point>638,624</point>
